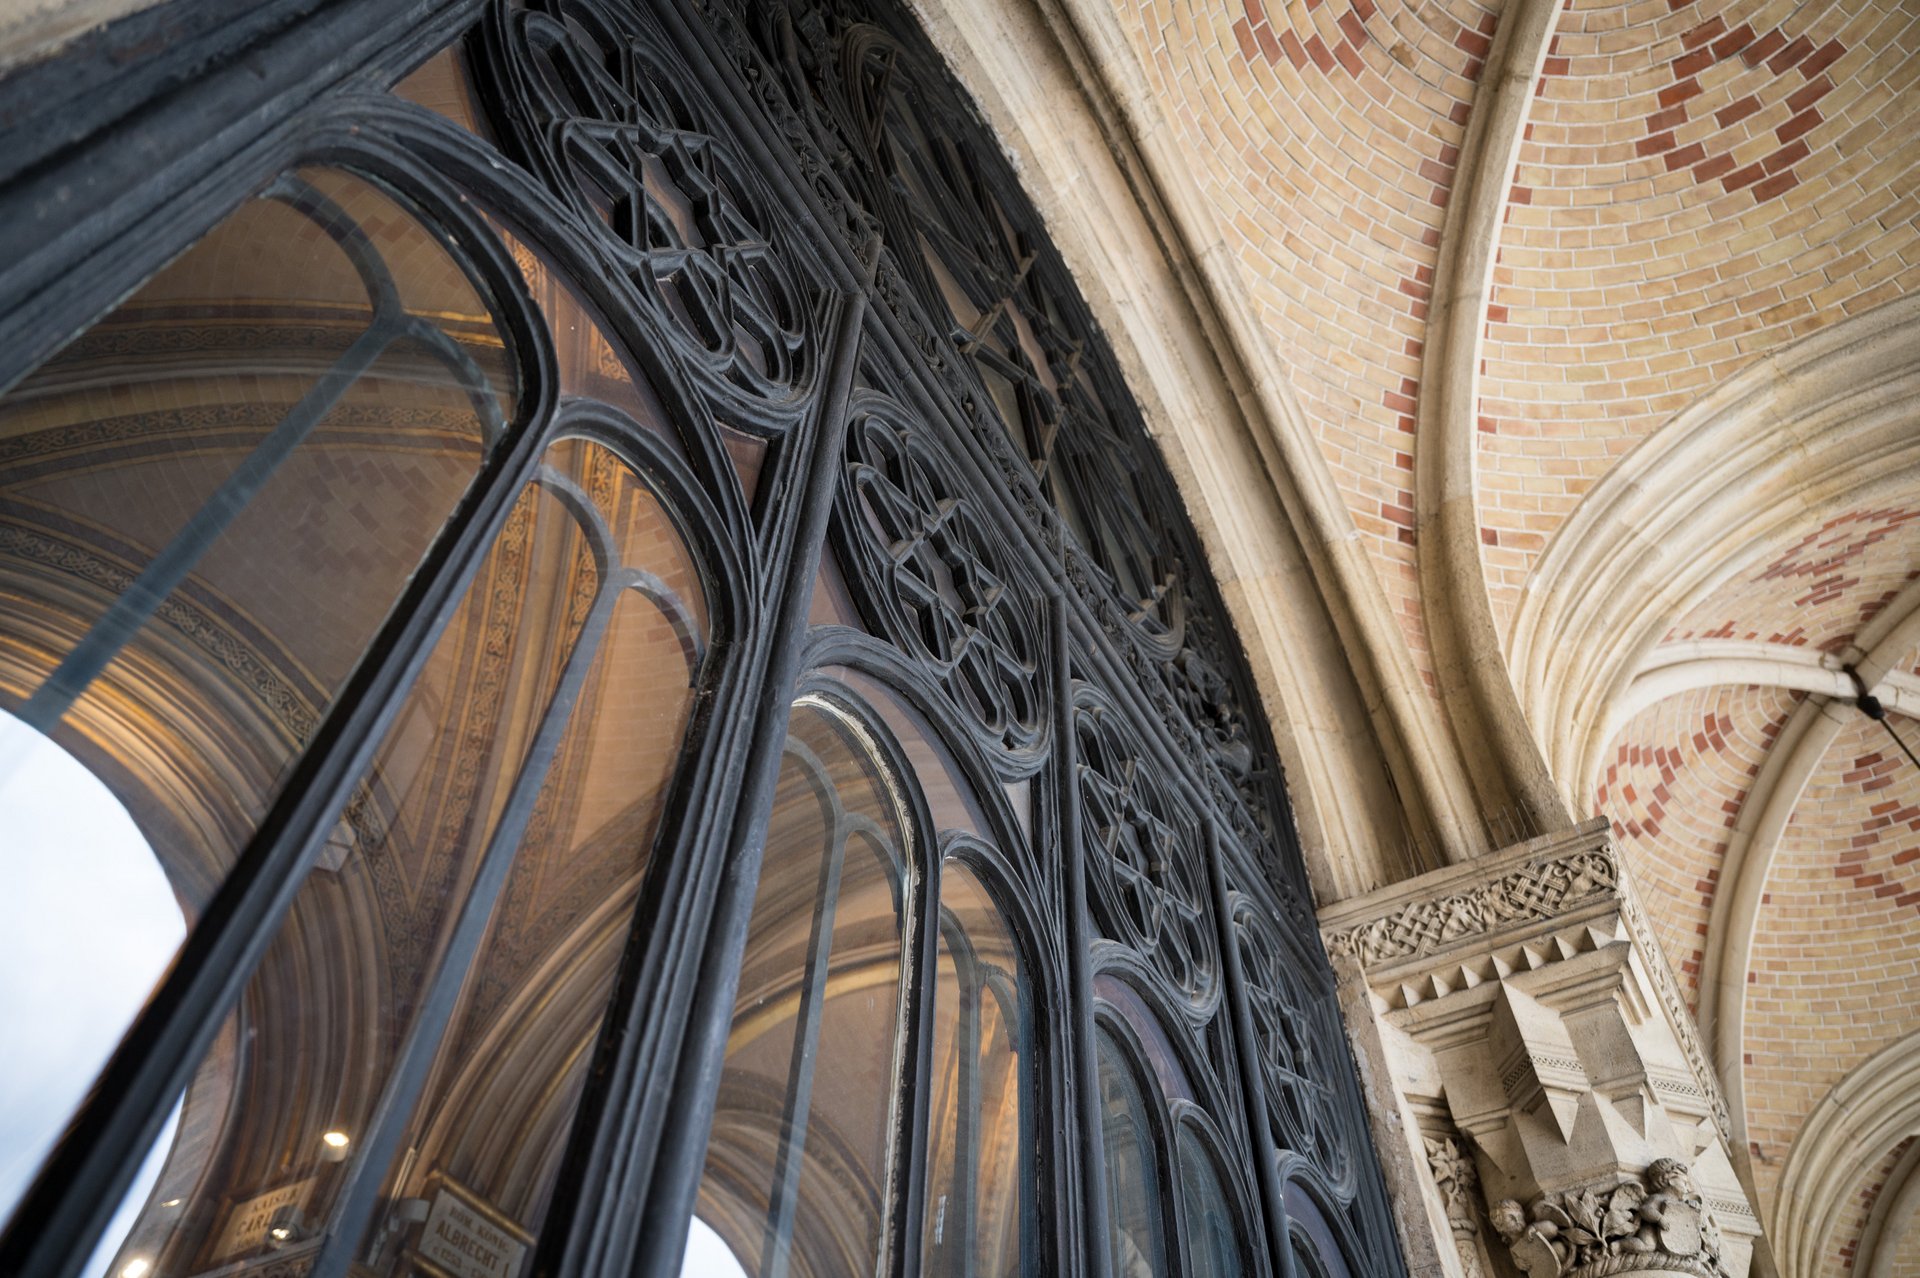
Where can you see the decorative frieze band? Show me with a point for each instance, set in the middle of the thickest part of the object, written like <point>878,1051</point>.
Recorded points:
<point>1570,887</point>
<point>1538,890</point>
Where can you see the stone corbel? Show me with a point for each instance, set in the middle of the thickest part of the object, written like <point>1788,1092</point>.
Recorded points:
<point>1524,1002</point>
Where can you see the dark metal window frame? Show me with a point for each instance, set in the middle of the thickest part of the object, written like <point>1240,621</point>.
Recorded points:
<point>129,146</point>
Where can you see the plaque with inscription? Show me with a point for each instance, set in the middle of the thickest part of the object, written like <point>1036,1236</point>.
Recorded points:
<point>248,1220</point>
<point>464,1237</point>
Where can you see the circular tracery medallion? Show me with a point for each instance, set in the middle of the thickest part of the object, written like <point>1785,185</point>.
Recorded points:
<point>596,106</point>
<point>1145,856</point>
<point>942,583</point>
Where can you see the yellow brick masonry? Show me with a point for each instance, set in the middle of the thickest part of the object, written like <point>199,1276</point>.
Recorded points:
<point>1701,183</point>
<point>1673,786</point>
<point>1837,953</point>
<point>1325,135</point>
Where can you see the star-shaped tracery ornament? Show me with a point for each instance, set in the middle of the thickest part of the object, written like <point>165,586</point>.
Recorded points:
<point>1288,1025</point>
<point>944,579</point>
<point>686,221</point>
<point>1146,869</point>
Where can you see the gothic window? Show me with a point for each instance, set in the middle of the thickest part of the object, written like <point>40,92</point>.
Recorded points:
<point>631,690</point>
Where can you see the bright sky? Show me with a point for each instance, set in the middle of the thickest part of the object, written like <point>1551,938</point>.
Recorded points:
<point>708,1256</point>
<point>88,924</point>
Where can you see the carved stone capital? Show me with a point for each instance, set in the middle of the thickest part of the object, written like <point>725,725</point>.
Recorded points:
<point>1526,1000</point>
<point>1652,1223</point>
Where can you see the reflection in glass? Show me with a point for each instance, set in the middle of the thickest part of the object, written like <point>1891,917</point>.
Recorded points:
<point>1161,1057</point>
<point>506,818</point>
<point>1136,1226</point>
<point>1316,1252</point>
<point>100,1263</point>
<point>980,1206</point>
<point>1212,1249</point>
<point>797,1163</point>
<point>442,84</point>
<point>208,503</point>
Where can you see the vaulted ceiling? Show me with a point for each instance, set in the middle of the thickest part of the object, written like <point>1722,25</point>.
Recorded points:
<point>1592,325</point>
<point>1582,339</point>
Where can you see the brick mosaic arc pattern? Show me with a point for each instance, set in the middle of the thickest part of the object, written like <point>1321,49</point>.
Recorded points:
<point>1673,787</point>
<point>1702,182</point>
<point>1836,951</point>
<point>1840,1261</point>
<point>1820,588</point>
<point>1324,134</point>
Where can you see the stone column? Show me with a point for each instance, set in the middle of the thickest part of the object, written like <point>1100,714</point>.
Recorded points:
<point>1525,1013</point>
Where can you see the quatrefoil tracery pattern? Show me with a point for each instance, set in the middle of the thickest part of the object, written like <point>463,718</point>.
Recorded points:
<point>947,592</point>
<point>684,219</point>
<point>1147,882</point>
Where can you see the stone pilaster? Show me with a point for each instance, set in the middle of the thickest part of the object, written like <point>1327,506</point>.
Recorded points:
<point>1529,1016</point>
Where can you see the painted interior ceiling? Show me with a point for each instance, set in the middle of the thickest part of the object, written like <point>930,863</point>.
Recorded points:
<point>1701,194</point>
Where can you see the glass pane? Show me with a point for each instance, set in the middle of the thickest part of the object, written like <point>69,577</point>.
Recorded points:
<point>442,84</point>
<point>980,1191</point>
<point>1316,1252</point>
<point>796,1174</point>
<point>1306,1262</point>
<point>1161,1056</point>
<point>1212,1251</point>
<point>208,504</point>
<point>559,645</point>
<point>1136,1226</point>
<point>950,799</point>
<point>489,1136</point>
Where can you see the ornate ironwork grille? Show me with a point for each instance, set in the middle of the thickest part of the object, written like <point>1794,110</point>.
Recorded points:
<point>675,701</point>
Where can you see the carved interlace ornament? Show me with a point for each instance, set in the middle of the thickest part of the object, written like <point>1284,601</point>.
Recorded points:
<point>1652,1223</point>
<point>1536,891</point>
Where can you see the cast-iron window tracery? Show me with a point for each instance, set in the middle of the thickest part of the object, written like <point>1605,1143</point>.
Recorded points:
<point>759,287</point>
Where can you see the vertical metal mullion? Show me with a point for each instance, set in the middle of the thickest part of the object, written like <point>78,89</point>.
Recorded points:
<point>1029,1170</point>
<point>966,1103</point>
<point>394,1111</point>
<point>784,1200</point>
<point>1085,1075</point>
<point>1252,1086</point>
<point>907,1183</point>
<point>81,1184</point>
<point>702,1055</point>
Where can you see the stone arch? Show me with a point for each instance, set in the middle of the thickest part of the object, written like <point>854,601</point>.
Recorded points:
<point>1370,759</point>
<point>1831,417</point>
<point>1866,1114</point>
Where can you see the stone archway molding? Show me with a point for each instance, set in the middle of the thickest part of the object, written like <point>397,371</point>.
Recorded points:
<point>1675,668</point>
<point>1831,420</point>
<point>1809,732</point>
<point>1865,1114</point>
<point>1060,85</point>
<point>1504,763</point>
<point>1893,1220</point>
